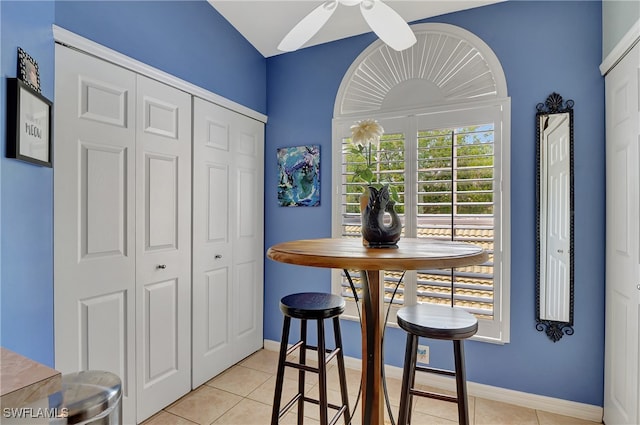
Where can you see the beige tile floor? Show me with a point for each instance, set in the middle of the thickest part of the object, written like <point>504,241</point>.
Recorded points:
<point>243,395</point>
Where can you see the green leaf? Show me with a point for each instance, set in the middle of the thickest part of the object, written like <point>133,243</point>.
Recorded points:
<point>356,150</point>
<point>393,191</point>
<point>366,175</point>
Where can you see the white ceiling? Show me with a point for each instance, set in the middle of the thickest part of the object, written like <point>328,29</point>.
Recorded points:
<point>265,22</point>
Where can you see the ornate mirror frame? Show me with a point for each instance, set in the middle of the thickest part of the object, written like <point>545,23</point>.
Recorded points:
<point>554,219</point>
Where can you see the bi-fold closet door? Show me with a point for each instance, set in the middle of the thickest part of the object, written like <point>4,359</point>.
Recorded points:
<point>228,256</point>
<point>122,230</point>
<point>622,314</point>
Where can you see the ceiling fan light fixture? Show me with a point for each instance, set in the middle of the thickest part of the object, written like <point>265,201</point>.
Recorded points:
<point>350,2</point>
<point>385,22</point>
<point>308,26</point>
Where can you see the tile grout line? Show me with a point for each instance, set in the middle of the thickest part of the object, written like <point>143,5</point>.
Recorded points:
<point>261,364</point>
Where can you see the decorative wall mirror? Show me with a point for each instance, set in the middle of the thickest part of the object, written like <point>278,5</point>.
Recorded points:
<point>554,198</point>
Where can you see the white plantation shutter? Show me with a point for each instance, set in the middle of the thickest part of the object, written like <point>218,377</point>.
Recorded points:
<point>455,202</point>
<point>389,168</point>
<point>448,180</point>
<point>446,113</point>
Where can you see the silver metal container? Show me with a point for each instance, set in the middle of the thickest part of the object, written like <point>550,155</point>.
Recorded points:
<point>90,397</point>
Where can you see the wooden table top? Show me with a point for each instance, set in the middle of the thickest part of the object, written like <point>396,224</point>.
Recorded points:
<point>349,253</point>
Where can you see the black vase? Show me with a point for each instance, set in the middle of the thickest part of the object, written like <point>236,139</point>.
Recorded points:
<point>375,233</point>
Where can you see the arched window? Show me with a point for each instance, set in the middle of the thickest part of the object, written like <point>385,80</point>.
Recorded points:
<point>444,107</point>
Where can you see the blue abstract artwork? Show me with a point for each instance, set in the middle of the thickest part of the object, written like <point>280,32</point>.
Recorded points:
<point>299,174</point>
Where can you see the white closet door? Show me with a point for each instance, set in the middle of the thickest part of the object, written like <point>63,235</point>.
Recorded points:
<point>247,137</point>
<point>622,392</point>
<point>94,222</point>
<point>163,245</point>
<point>227,238</point>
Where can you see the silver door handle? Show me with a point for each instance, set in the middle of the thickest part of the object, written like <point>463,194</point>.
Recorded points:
<point>560,251</point>
<point>162,266</point>
<point>638,286</point>
<point>218,256</point>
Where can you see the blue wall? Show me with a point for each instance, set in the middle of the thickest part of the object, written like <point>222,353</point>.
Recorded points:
<point>543,47</point>
<point>188,39</point>
<point>26,292</point>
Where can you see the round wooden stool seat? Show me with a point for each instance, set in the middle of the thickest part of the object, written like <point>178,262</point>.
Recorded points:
<point>312,305</point>
<point>437,322</point>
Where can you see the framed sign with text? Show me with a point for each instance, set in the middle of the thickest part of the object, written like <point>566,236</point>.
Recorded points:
<point>29,124</point>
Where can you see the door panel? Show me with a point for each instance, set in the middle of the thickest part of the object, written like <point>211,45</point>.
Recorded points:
<point>163,249</point>
<point>246,320</point>
<point>622,381</point>
<point>161,354</point>
<point>248,241</point>
<point>213,349</point>
<point>161,203</point>
<point>246,191</point>
<point>104,315</point>
<point>103,200</point>
<point>218,294</point>
<point>104,102</point>
<point>94,222</point>
<point>217,195</point>
<point>227,239</point>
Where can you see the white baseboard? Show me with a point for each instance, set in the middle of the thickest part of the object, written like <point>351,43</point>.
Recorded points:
<point>532,401</point>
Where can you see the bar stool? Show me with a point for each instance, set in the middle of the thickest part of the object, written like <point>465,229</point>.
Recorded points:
<point>311,306</point>
<point>435,322</point>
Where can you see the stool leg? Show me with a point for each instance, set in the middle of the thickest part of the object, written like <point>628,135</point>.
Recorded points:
<point>408,377</point>
<point>461,382</point>
<point>303,360</point>
<point>341,370</point>
<point>277,395</point>
<point>322,374</point>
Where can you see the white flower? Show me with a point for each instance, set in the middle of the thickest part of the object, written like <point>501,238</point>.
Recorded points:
<point>366,131</point>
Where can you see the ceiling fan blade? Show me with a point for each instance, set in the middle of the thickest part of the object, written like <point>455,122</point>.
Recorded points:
<point>308,26</point>
<point>387,24</point>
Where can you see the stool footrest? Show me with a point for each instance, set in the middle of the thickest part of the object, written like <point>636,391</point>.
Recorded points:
<point>435,370</point>
<point>339,413</point>
<point>340,409</point>
<point>294,347</point>
<point>317,402</point>
<point>437,396</point>
<point>302,367</point>
<point>291,402</point>
<point>332,354</point>
<point>299,396</point>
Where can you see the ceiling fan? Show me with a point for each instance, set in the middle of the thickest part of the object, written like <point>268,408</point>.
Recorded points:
<point>383,20</point>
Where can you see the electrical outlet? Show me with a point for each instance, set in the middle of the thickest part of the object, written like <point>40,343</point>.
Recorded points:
<point>423,354</point>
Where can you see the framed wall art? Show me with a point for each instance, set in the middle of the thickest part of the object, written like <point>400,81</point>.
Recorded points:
<point>28,70</point>
<point>299,176</point>
<point>29,124</point>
